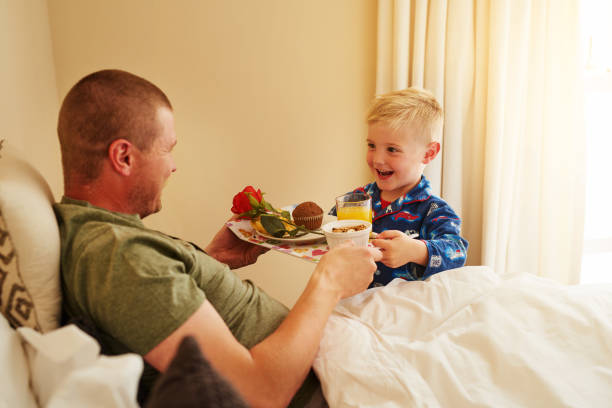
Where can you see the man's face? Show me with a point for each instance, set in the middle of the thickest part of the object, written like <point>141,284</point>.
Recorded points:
<point>395,159</point>
<point>154,167</point>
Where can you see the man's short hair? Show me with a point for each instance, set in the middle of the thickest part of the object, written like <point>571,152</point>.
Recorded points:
<point>101,108</point>
<point>408,107</point>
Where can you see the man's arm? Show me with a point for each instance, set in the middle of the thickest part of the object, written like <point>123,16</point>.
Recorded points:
<point>269,374</point>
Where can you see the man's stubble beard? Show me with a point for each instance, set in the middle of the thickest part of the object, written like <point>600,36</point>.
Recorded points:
<point>144,202</point>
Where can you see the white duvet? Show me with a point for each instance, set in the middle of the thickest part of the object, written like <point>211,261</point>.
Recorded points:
<point>469,337</point>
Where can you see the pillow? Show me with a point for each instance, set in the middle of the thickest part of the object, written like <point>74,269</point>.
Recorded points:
<point>67,371</point>
<point>16,303</point>
<point>191,382</point>
<point>15,384</point>
<point>29,243</point>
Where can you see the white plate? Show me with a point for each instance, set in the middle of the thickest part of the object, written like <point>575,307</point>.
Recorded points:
<point>304,239</point>
<point>309,238</point>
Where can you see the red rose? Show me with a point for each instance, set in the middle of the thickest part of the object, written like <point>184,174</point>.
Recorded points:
<point>241,202</point>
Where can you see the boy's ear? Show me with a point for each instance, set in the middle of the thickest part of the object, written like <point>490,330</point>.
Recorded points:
<point>432,151</point>
<point>121,156</point>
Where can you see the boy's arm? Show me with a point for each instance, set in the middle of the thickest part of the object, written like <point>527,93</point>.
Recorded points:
<point>448,251</point>
<point>441,230</point>
<point>440,247</point>
<point>398,249</point>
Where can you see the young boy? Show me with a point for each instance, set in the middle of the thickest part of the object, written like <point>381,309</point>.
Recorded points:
<point>403,136</point>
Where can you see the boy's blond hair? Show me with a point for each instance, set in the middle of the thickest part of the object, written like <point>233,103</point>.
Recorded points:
<point>408,107</point>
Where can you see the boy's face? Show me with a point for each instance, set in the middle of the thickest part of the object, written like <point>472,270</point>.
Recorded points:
<point>397,158</point>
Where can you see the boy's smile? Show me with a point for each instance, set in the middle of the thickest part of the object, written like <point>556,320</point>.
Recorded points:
<point>397,158</point>
<point>384,174</point>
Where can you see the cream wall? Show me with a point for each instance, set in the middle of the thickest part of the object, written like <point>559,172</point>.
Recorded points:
<point>270,93</point>
<point>29,102</point>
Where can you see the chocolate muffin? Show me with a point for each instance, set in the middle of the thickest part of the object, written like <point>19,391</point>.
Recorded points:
<point>308,214</point>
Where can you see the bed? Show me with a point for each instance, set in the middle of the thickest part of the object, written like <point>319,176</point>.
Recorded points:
<point>469,337</point>
<point>465,337</point>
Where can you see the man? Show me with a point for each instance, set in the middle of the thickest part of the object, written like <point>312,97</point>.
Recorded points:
<point>146,291</point>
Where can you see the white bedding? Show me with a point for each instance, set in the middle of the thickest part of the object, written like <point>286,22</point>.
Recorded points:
<point>469,337</point>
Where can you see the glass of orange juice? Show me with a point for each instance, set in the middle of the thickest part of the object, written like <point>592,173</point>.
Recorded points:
<point>354,206</point>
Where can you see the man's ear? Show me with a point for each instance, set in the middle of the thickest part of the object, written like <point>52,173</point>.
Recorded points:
<point>432,151</point>
<point>121,156</point>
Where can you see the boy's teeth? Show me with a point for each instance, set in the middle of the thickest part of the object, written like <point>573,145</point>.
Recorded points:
<point>384,173</point>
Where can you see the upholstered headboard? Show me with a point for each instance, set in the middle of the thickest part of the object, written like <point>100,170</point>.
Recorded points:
<point>29,246</point>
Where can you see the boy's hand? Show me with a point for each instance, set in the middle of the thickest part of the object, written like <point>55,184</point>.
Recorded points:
<point>398,249</point>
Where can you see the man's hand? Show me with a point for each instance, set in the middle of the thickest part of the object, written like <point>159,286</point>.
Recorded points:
<point>398,249</point>
<point>225,247</point>
<point>347,269</point>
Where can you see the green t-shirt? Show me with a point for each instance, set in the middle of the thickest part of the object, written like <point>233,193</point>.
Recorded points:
<point>138,285</point>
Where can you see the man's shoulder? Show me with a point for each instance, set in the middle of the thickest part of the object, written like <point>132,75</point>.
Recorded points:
<point>80,212</point>
<point>98,232</point>
<point>92,233</point>
<point>87,223</point>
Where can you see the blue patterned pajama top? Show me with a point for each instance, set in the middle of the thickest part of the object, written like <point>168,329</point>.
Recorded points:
<point>420,212</point>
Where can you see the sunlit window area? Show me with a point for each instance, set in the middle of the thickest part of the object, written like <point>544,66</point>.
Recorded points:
<point>597,37</point>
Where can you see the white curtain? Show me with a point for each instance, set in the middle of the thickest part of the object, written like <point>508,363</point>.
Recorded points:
<point>508,74</point>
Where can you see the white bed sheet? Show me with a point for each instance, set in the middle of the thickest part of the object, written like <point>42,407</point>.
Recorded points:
<point>469,337</point>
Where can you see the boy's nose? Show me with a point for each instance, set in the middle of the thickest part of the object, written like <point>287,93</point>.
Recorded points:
<point>378,158</point>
